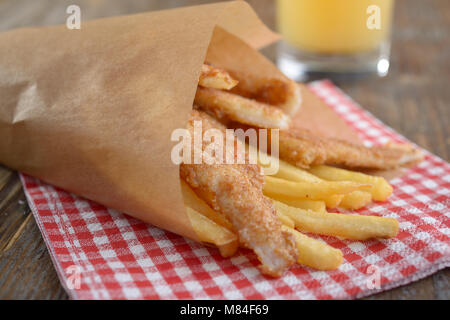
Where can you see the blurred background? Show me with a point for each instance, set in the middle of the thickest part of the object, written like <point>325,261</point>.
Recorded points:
<point>413,99</point>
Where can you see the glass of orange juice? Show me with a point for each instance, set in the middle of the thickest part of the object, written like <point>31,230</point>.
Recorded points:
<point>334,37</point>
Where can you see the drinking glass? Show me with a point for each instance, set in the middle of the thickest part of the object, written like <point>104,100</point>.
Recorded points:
<point>336,38</point>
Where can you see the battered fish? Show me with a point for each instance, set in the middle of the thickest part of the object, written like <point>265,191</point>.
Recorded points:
<point>280,92</point>
<point>228,106</point>
<point>235,190</point>
<point>211,77</point>
<point>304,149</point>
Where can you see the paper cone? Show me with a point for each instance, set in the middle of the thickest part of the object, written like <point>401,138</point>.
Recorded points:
<point>92,110</point>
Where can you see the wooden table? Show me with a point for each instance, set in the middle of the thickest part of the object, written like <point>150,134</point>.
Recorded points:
<point>414,99</point>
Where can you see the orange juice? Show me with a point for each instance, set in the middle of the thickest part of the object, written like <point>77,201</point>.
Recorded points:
<point>334,26</point>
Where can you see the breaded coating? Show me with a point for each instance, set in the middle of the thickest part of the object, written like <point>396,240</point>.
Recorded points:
<point>304,149</point>
<point>216,78</point>
<point>228,106</point>
<point>235,190</point>
<point>280,92</point>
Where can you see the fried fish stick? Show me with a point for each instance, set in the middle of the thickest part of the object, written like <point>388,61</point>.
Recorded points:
<point>314,253</point>
<point>211,77</point>
<point>210,232</point>
<point>348,226</point>
<point>304,149</point>
<point>380,191</point>
<point>235,190</point>
<point>281,92</point>
<point>229,106</point>
<point>310,190</point>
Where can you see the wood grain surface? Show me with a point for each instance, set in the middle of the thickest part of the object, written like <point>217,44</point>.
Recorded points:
<point>413,99</point>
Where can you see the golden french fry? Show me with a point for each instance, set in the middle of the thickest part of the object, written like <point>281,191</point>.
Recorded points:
<point>210,232</point>
<point>194,202</point>
<point>313,205</point>
<point>314,253</point>
<point>285,219</point>
<point>380,191</point>
<point>334,201</point>
<point>310,190</point>
<point>316,205</point>
<point>355,200</point>
<point>289,172</point>
<point>211,77</point>
<point>285,170</point>
<point>348,226</point>
<point>233,107</point>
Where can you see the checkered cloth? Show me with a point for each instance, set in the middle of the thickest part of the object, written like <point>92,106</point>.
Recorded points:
<point>100,253</point>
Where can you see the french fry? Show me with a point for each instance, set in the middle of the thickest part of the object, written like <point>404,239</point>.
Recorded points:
<point>211,77</point>
<point>348,226</point>
<point>210,232</point>
<point>225,105</point>
<point>209,225</point>
<point>285,170</point>
<point>289,172</point>
<point>355,200</point>
<point>313,205</point>
<point>330,202</point>
<point>194,202</point>
<point>333,201</point>
<point>285,219</point>
<point>314,253</point>
<point>309,190</point>
<point>380,191</point>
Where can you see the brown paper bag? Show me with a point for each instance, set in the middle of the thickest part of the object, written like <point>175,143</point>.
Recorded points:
<point>92,110</point>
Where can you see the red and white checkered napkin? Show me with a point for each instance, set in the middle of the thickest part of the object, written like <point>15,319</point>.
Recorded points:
<point>119,257</point>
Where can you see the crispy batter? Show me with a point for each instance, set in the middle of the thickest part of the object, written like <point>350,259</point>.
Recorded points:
<point>303,149</point>
<point>280,92</point>
<point>235,190</point>
<point>228,106</point>
<point>212,77</point>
